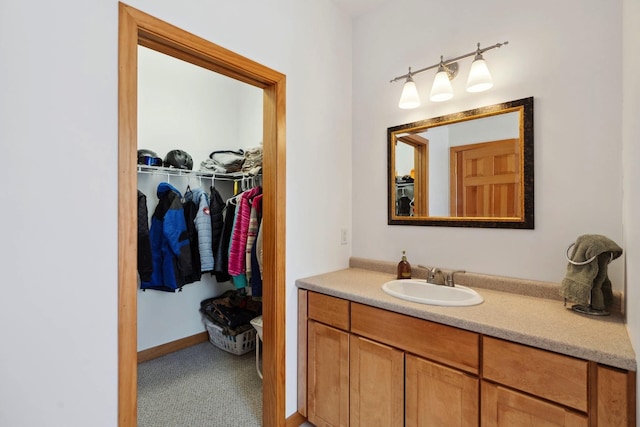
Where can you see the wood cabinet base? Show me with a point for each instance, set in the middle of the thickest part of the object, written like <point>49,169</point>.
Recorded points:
<point>365,366</point>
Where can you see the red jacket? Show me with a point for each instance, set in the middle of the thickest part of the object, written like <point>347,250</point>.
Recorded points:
<point>238,249</point>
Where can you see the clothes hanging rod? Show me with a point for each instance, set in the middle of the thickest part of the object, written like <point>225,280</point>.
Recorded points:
<point>160,170</point>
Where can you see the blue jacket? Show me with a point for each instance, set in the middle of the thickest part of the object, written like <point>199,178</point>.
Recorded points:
<point>170,251</point>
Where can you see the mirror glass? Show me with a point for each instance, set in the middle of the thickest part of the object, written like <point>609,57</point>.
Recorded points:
<point>467,169</point>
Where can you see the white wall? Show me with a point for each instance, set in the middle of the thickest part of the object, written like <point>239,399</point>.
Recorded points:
<point>556,51</point>
<point>492,128</point>
<point>58,127</point>
<point>631,172</point>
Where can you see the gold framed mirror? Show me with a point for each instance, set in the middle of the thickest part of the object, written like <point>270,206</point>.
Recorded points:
<point>468,169</point>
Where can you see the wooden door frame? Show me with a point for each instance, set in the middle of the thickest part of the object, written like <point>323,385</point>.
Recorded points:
<point>420,146</point>
<point>138,28</point>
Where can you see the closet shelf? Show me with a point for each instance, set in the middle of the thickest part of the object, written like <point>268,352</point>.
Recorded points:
<point>404,184</point>
<point>160,170</point>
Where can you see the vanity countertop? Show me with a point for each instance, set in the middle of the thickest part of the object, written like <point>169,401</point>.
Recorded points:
<point>531,320</point>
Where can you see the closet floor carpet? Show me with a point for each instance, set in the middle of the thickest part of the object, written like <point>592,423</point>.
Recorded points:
<point>200,386</point>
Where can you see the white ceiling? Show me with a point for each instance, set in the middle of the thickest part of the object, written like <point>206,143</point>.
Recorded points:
<point>358,7</point>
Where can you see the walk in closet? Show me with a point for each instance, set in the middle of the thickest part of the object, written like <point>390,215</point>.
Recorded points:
<point>137,28</point>
<point>185,107</point>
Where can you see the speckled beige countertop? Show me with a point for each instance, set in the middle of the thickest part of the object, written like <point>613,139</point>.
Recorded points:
<point>538,319</point>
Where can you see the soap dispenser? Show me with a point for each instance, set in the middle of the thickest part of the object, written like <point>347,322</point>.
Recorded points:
<point>404,268</point>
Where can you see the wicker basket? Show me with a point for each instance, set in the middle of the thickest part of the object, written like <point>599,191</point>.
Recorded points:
<point>239,344</point>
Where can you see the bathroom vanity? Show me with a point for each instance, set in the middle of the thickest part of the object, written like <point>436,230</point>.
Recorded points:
<point>367,358</point>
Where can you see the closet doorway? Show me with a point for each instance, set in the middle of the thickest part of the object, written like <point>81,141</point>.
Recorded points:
<point>138,28</point>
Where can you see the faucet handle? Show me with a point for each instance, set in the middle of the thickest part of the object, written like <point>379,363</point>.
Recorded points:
<point>450,278</point>
<point>430,271</point>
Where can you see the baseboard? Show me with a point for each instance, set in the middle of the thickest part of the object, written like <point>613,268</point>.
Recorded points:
<point>295,420</point>
<point>170,347</point>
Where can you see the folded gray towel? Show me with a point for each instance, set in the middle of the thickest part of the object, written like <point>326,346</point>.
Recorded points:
<point>590,281</point>
<point>252,160</point>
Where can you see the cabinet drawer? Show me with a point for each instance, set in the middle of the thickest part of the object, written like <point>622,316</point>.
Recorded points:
<point>330,310</point>
<point>441,343</point>
<point>553,376</point>
<point>503,407</point>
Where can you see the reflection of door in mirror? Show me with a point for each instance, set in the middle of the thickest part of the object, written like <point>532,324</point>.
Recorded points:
<point>412,183</point>
<point>485,179</point>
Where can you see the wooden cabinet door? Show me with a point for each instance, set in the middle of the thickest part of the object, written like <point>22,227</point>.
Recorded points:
<point>502,407</point>
<point>439,396</point>
<point>615,404</point>
<point>377,384</point>
<point>327,376</point>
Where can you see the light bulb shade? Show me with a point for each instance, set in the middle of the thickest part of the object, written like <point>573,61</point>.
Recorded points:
<point>479,76</point>
<point>409,98</point>
<point>441,89</point>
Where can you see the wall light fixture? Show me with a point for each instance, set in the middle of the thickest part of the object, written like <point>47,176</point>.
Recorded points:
<point>479,78</point>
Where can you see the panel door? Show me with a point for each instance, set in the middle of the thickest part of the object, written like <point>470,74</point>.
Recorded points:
<point>327,376</point>
<point>377,384</point>
<point>439,396</point>
<point>486,179</point>
<point>502,407</point>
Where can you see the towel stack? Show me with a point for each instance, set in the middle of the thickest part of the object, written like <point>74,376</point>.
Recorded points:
<point>589,283</point>
<point>223,161</point>
<point>252,161</point>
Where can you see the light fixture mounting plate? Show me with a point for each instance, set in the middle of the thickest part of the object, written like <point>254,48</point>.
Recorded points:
<point>452,70</point>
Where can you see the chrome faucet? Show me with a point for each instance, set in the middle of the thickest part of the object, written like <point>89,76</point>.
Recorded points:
<point>434,272</point>
<point>450,281</point>
<point>432,276</point>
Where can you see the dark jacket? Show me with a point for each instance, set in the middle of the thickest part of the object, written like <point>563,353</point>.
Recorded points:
<point>171,254</point>
<point>221,257</point>
<point>190,212</point>
<point>144,245</point>
<point>216,208</point>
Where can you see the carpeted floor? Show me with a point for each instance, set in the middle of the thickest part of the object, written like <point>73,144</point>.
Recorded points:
<point>200,386</point>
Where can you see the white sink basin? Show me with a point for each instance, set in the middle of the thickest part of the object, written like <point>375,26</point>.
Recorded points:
<point>425,293</point>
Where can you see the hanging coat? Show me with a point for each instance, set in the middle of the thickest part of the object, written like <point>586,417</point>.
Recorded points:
<point>203,228</point>
<point>190,212</point>
<point>216,209</point>
<point>256,268</point>
<point>171,255</point>
<point>252,232</point>
<point>221,258</point>
<point>238,248</point>
<point>145,266</point>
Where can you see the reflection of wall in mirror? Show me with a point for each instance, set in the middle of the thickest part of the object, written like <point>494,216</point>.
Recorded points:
<point>404,159</point>
<point>441,138</point>
<point>439,143</point>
